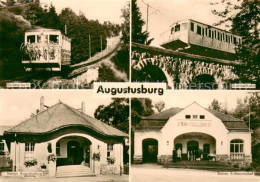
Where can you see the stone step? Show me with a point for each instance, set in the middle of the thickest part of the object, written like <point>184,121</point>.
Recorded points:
<point>73,171</point>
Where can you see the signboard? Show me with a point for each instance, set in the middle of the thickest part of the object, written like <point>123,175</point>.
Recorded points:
<point>194,124</point>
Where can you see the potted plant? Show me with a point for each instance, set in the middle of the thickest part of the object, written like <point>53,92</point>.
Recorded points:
<point>43,166</point>
<point>51,157</point>
<point>111,160</point>
<point>96,156</point>
<point>29,163</point>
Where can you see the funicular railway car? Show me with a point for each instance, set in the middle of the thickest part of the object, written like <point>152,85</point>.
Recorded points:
<point>201,39</point>
<point>46,49</point>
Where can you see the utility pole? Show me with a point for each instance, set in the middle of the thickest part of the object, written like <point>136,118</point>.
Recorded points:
<point>147,17</point>
<point>65,29</point>
<point>89,45</point>
<point>249,114</point>
<point>101,42</point>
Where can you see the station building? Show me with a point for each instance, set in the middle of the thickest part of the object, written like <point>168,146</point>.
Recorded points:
<point>64,136</point>
<point>199,133</point>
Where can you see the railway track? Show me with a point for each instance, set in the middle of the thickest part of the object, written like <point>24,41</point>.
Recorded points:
<point>78,69</point>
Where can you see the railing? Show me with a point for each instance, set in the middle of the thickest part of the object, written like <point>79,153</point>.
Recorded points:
<point>40,52</point>
<point>237,156</point>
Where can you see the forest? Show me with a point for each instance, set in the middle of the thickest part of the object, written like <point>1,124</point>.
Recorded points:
<point>14,21</point>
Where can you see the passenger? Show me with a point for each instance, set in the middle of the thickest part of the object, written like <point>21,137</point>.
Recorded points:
<point>179,153</point>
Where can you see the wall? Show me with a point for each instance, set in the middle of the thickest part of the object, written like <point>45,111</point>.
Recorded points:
<point>178,125</point>
<point>41,152</point>
<point>184,69</point>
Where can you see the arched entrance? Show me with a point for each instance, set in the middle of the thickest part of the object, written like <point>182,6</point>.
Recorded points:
<point>196,146</point>
<point>150,73</point>
<point>73,150</point>
<point>150,150</point>
<point>204,81</point>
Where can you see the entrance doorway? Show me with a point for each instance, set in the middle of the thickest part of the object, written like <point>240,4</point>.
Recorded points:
<point>150,150</point>
<point>74,152</point>
<point>193,149</point>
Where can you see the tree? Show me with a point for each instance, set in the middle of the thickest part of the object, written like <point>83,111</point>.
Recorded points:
<point>140,107</point>
<point>242,110</point>
<point>138,35</point>
<point>115,114</point>
<point>159,106</point>
<point>244,17</point>
<point>217,106</point>
<point>126,24</point>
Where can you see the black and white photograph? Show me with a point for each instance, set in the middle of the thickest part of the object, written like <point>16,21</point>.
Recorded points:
<point>129,90</point>
<point>196,44</point>
<point>65,44</point>
<point>53,136</point>
<point>198,136</point>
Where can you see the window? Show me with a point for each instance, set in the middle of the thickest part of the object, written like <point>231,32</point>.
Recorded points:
<point>29,147</point>
<point>31,38</point>
<point>236,146</point>
<point>195,116</point>
<point>109,150</point>
<point>187,116</point>
<point>202,116</point>
<point>203,32</point>
<point>172,30</point>
<point>199,30</point>
<point>29,151</point>
<point>206,32</point>
<point>2,146</point>
<point>58,148</point>
<point>219,36</point>
<point>54,39</point>
<point>177,28</point>
<point>235,40</point>
<point>192,26</point>
<point>209,33</point>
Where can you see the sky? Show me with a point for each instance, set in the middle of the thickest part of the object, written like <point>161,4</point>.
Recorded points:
<point>18,105</point>
<point>183,98</point>
<point>101,10</point>
<point>170,11</point>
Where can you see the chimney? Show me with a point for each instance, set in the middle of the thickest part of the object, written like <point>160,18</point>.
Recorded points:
<point>83,106</point>
<point>42,104</point>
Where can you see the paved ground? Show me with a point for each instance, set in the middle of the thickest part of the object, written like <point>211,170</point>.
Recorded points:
<point>155,173</point>
<point>111,178</point>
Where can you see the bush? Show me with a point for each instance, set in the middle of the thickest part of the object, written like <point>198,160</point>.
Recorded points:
<point>30,163</point>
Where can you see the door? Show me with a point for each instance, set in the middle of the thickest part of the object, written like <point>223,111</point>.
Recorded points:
<point>206,151</point>
<point>150,150</point>
<point>193,149</point>
<point>74,153</point>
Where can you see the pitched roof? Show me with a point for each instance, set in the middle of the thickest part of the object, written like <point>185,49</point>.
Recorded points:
<point>165,114</point>
<point>59,116</point>
<point>4,128</point>
<point>157,121</point>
